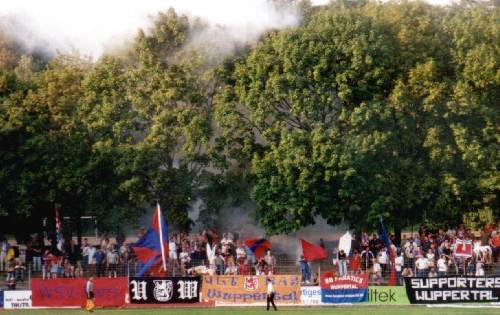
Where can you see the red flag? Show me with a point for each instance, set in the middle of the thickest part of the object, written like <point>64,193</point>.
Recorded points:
<point>313,252</point>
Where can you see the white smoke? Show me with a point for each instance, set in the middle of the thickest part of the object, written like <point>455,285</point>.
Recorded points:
<point>91,26</point>
<point>239,220</point>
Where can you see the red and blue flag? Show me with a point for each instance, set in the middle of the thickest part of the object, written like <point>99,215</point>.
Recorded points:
<point>258,246</point>
<point>152,248</point>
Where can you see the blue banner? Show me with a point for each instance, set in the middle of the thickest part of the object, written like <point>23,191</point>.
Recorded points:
<point>344,296</point>
<point>1,299</point>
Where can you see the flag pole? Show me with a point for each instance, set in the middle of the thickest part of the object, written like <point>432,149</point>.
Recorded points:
<point>158,209</point>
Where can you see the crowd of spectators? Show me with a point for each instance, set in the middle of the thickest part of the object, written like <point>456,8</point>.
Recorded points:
<point>431,252</point>
<point>208,253</point>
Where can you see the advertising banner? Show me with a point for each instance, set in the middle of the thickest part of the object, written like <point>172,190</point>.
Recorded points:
<point>1,299</point>
<point>387,295</point>
<point>17,299</point>
<point>347,289</point>
<point>460,289</point>
<point>71,292</point>
<point>164,290</point>
<point>310,295</point>
<point>250,289</point>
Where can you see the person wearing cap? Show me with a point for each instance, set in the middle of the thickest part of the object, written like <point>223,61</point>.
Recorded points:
<point>270,293</point>
<point>89,290</point>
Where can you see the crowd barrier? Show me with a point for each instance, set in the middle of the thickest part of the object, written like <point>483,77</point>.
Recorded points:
<point>251,290</point>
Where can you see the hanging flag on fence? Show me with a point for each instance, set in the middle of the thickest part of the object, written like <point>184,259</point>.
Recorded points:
<point>258,246</point>
<point>59,231</point>
<point>463,248</point>
<point>313,252</point>
<point>152,249</point>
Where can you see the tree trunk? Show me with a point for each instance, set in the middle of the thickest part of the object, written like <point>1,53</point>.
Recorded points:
<point>397,233</point>
<point>78,224</point>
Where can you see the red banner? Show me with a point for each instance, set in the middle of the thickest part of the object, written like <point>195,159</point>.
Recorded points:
<point>71,292</point>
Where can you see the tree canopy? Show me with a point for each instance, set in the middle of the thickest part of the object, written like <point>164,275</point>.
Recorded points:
<point>362,110</point>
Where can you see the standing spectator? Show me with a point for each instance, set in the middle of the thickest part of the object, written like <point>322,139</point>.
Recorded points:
<point>271,262</point>
<point>432,272</point>
<point>47,261</point>
<point>231,268</point>
<point>36,253</point>
<point>366,259</point>
<point>442,266</point>
<point>422,266</point>
<point>172,252</point>
<point>382,259</point>
<point>11,269</point>
<point>55,267</point>
<point>399,263</point>
<point>479,269</point>
<point>305,270</point>
<point>407,272</point>
<point>240,251</point>
<point>470,267</point>
<point>92,263</point>
<point>185,259</point>
<point>355,263</point>
<point>495,245</point>
<point>3,253</point>
<point>112,259</point>
<point>376,272</point>
<point>219,263</point>
<point>342,258</point>
<point>409,254</point>
<point>85,254</point>
<point>225,242</point>
<point>261,267</point>
<point>431,258</point>
<point>244,267</point>
<point>124,253</point>
<point>100,259</point>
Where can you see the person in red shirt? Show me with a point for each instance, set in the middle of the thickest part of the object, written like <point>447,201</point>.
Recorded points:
<point>355,262</point>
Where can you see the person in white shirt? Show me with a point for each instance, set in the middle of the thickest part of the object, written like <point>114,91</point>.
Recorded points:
<point>240,251</point>
<point>382,259</point>
<point>91,254</point>
<point>112,259</point>
<point>172,249</point>
<point>479,269</point>
<point>270,293</point>
<point>422,266</point>
<point>3,254</point>
<point>430,257</point>
<point>376,271</point>
<point>442,266</point>
<point>398,265</point>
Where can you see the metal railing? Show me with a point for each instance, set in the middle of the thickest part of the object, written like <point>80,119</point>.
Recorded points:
<point>283,266</point>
